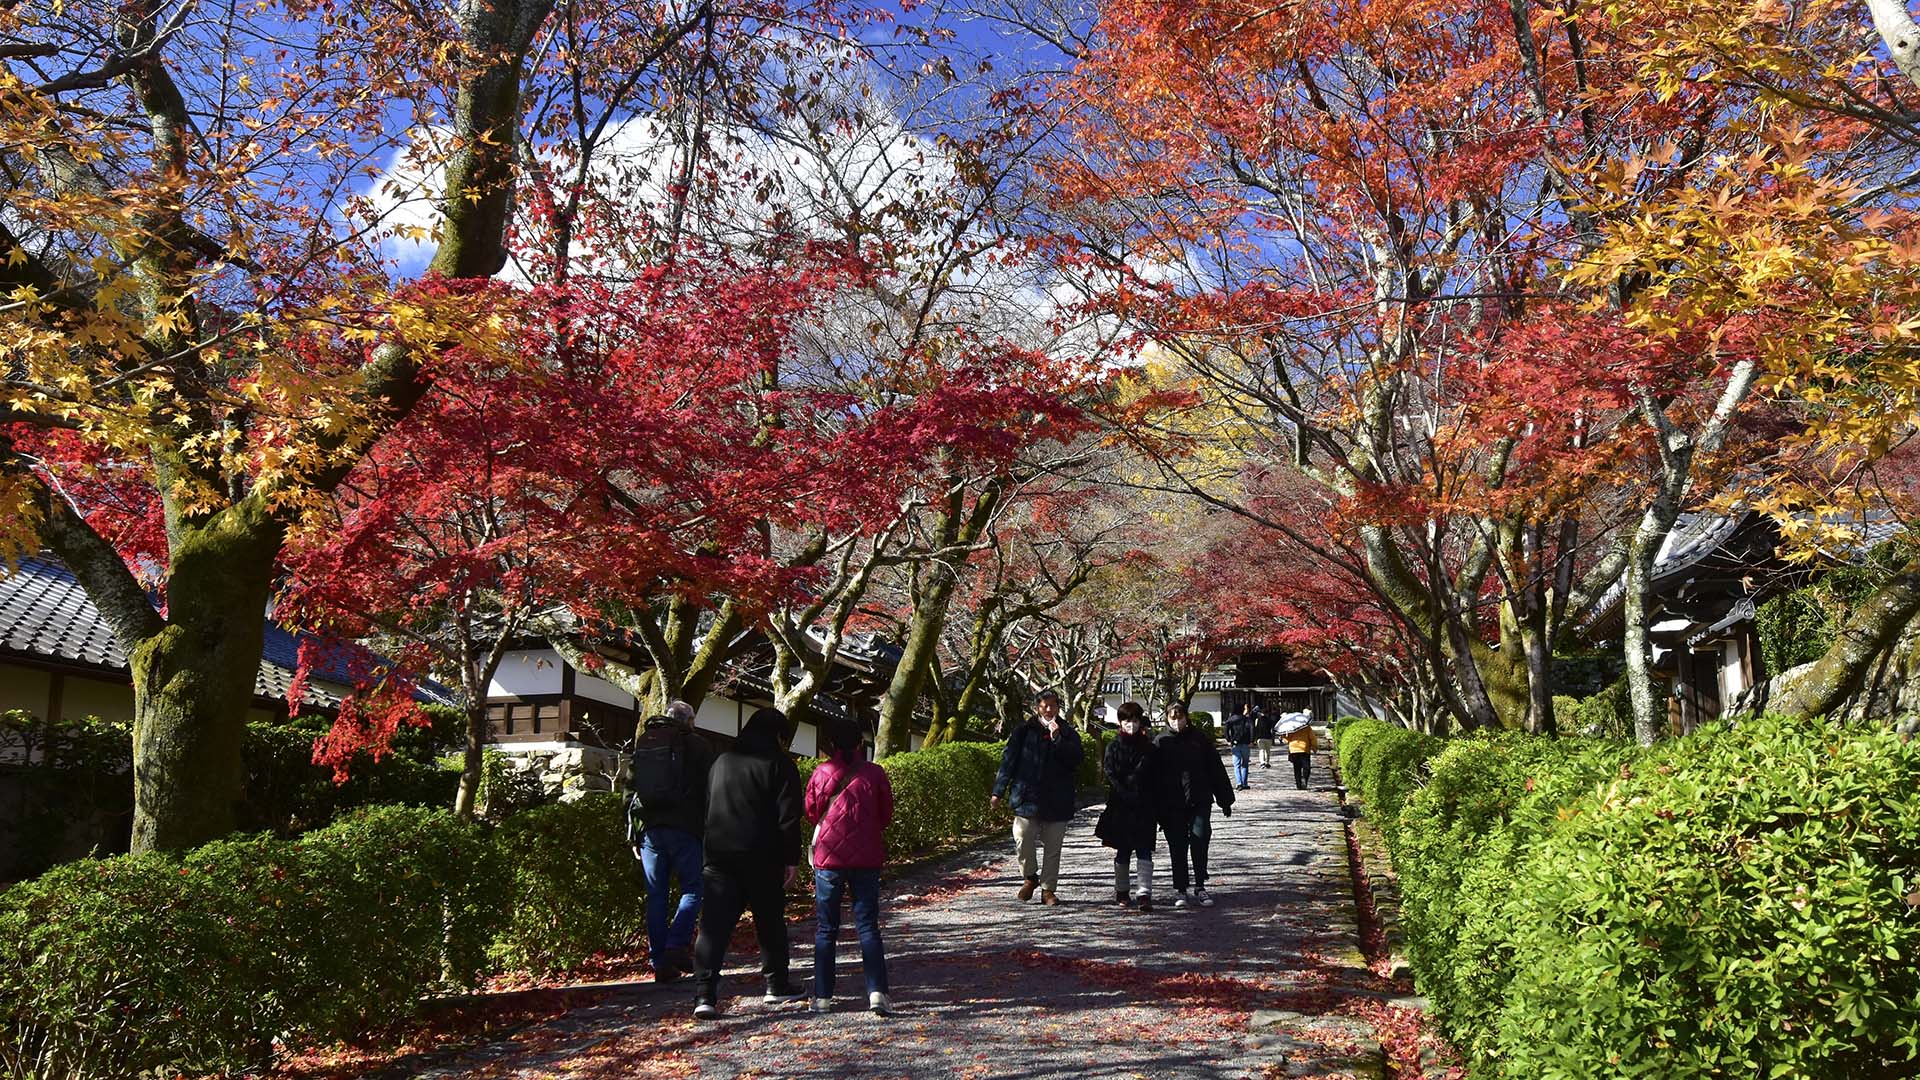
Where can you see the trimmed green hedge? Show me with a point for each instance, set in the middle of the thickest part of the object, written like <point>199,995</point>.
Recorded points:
<point>77,797</point>
<point>209,961</point>
<point>1380,763</point>
<point>575,887</point>
<point>199,963</point>
<point>1744,902</point>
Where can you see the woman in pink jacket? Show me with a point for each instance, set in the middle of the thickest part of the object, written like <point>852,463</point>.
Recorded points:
<point>851,801</point>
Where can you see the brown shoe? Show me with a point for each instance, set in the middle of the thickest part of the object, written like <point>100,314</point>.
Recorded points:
<point>1026,891</point>
<point>1048,898</point>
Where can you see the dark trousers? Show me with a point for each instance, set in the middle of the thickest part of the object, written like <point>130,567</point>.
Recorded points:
<point>1302,769</point>
<point>732,885</point>
<point>1188,839</point>
<point>863,888</point>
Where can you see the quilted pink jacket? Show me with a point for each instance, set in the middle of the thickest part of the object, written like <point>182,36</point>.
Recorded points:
<point>852,830</point>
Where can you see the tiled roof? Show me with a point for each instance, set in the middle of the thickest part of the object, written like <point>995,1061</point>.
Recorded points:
<point>46,615</point>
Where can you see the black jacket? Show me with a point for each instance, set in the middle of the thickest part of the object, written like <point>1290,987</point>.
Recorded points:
<point>1264,724</point>
<point>1037,772</point>
<point>1238,730</point>
<point>1131,764</point>
<point>1190,775</point>
<point>754,804</point>
<point>690,814</point>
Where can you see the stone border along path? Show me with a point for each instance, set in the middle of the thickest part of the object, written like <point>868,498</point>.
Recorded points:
<point>1264,984</point>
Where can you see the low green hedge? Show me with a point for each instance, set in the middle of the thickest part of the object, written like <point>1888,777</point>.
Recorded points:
<point>199,963</point>
<point>1483,806</point>
<point>1381,764</point>
<point>575,887</point>
<point>1744,902</point>
<point>77,795</point>
<point>209,961</point>
<point>1740,903</point>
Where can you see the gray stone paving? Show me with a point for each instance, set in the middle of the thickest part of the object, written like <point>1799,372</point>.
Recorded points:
<point>988,987</point>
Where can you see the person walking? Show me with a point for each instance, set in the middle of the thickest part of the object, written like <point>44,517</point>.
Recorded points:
<point>851,801</point>
<point>1264,721</point>
<point>1300,747</point>
<point>1190,779</point>
<point>1036,778</point>
<point>667,801</point>
<point>753,846</point>
<point>1239,733</point>
<point>1129,821</point>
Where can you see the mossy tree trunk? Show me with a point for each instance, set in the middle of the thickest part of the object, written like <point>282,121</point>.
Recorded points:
<point>1875,626</point>
<point>193,669</point>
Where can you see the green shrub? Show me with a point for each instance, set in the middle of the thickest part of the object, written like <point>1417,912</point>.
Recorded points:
<point>941,794</point>
<point>287,793</point>
<point>1381,763</point>
<point>1485,803</point>
<point>200,962</point>
<point>1607,714</point>
<point>1093,751</point>
<point>574,886</point>
<point>1737,907</point>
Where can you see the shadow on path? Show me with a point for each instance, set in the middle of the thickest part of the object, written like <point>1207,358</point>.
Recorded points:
<point>986,986</point>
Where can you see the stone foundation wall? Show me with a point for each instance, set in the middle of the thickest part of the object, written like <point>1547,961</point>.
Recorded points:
<point>571,770</point>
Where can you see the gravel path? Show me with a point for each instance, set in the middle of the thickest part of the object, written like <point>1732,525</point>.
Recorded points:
<point>986,986</point>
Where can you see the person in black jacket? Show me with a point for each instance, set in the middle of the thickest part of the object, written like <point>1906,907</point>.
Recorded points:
<point>1239,732</point>
<point>1264,722</point>
<point>754,810</point>
<point>1128,822</point>
<point>1191,778</point>
<point>1037,778</point>
<point>669,847</point>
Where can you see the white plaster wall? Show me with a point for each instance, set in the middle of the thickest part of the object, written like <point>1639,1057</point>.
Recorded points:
<point>91,697</point>
<point>24,688</point>
<point>720,714</point>
<point>1732,680</point>
<point>525,673</point>
<point>806,741</point>
<point>594,688</point>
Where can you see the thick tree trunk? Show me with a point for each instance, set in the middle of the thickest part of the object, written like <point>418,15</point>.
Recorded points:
<point>193,682</point>
<point>1875,626</point>
<point>916,659</point>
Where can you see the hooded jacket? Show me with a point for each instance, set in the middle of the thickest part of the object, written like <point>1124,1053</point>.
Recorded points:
<point>1191,775</point>
<point>753,797</point>
<point>1037,771</point>
<point>852,825</point>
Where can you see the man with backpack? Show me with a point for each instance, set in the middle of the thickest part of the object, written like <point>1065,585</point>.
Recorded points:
<point>1239,733</point>
<point>666,820</point>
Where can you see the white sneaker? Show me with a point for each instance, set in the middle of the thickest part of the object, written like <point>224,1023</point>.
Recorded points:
<point>780,997</point>
<point>1180,900</point>
<point>822,1004</point>
<point>1200,896</point>
<point>706,1010</point>
<point>878,1004</point>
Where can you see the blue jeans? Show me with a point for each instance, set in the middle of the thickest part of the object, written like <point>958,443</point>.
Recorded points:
<point>828,887</point>
<point>666,854</point>
<point>1242,755</point>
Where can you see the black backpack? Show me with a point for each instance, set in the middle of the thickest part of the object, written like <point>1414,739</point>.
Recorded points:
<point>657,770</point>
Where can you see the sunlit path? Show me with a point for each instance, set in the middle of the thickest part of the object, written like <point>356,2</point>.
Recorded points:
<point>987,986</point>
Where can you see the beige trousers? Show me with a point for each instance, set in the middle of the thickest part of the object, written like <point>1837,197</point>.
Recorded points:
<point>1266,753</point>
<point>1049,835</point>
